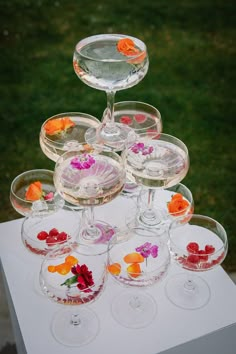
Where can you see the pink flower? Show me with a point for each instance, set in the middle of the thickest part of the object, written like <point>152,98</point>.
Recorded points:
<point>49,196</point>
<point>84,162</point>
<point>140,147</point>
<point>148,249</point>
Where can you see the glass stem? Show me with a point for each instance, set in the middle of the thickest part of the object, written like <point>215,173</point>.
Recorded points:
<point>108,119</point>
<point>75,320</point>
<point>189,285</point>
<point>149,215</point>
<point>90,231</point>
<point>91,216</point>
<point>135,302</point>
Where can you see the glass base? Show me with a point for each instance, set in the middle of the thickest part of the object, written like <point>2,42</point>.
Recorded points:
<point>134,309</point>
<point>75,327</point>
<point>188,294</point>
<point>113,137</point>
<point>98,235</point>
<point>134,221</point>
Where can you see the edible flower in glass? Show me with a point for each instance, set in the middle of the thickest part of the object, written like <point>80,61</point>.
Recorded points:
<point>126,46</point>
<point>85,161</point>
<point>141,148</point>
<point>35,192</point>
<point>58,125</point>
<point>177,205</point>
<point>147,249</point>
<point>82,276</point>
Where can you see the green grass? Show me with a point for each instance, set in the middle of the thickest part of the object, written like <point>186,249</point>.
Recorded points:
<point>191,80</point>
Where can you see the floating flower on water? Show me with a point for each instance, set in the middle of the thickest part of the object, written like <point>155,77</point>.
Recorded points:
<point>126,46</point>
<point>177,205</point>
<point>133,258</point>
<point>140,147</point>
<point>134,270</point>
<point>126,120</point>
<point>58,125</point>
<point>82,275</point>
<point>139,59</point>
<point>148,249</point>
<point>84,162</point>
<point>114,268</point>
<point>34,191</point>
<point>65,267</point>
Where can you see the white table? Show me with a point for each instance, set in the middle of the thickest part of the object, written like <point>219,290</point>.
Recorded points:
<point>211,329</point>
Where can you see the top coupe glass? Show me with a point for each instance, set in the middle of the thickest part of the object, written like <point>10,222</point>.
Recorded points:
<point>110,62</point>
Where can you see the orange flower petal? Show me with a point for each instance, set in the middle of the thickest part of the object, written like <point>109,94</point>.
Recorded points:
<point>126,46</point>
<point>34,191</point>
<point>178,206</point>
<point>133,258</point>
<point>63,268</point>
<point>114,268</point>
<point>67,123</point>
<point>55,126</point>
<point>134,270</point>
<point>52,269</point>
<point>71,260</point>
<point>177,196</point>
<point>139,59</point>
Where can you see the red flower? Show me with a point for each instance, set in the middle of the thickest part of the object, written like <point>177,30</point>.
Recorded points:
<point>84,278</point>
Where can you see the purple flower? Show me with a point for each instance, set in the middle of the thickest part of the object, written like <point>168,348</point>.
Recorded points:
<point>140,147</point>
<point>148,249</point>
<point>84,162</point>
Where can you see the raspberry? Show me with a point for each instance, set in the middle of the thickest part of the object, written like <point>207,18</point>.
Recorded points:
<point>140,118</point>
<point>42,235</point>
<point>62,236</point>
<point>209,249</point>
<point>203,257</point>
<point>51,240</point>
<point>192,258</point>
<point>193,247</point>
<point>53,232</point>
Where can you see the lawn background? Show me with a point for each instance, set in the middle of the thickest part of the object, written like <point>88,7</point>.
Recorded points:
<point>191,80</point>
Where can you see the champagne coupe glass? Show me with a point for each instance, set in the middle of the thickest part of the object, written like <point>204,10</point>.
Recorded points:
<point>169,203</point>
<point>43,232</point>
<point>89,178</point>
<point>33,192</point>
<point>137,259</point>
<point>65,131</point>
<point>110,62</point>
<point>74,275</point>
<point>143,118</point>
<point>197,246</point>
<point>155,162</point>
